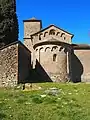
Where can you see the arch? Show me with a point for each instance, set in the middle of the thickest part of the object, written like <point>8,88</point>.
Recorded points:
<point>40,36</point>
<point>54,48</point>
<point>47,48</point>
<point>54,57</point>
<point>60,48</point>
<point>64,38</point>
<point>40,53</point>
<point>58,33</point>
<point>45,34</point>
<point>62,34</point>
<point>41,49</point>
<point>65,50</point>
<point>36,50</point>
<point>52,32</point>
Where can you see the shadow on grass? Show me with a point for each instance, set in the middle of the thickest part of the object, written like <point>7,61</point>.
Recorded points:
<point>2,115</point>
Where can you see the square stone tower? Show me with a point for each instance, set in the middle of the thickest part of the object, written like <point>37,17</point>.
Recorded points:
<point>31,26</point>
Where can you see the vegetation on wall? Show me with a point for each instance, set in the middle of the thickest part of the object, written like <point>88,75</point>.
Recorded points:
<point>8,22</point>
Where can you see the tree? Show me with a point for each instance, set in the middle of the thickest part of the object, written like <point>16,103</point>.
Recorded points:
<point>8,22</point>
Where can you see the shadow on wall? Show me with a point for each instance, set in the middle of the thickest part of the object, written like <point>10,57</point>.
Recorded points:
<point>24,63</point>
<point>38,75</point>
<point>76,68</point>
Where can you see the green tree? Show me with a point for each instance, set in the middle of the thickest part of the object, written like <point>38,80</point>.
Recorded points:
<point>8,22</point>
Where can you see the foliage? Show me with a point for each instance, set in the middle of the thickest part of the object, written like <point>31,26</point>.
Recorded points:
<point>72,102</point>
<point>8,22</point>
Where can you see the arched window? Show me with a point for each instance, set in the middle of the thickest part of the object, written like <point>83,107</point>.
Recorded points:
<point>57,33</point>
<point>41,49</point>
<point>64,38</point>
<point>47,49</point>
<point>40,36</point>
<point>54,48</point>
<point>52,32</point>
<point>54,57</point>
<point>36,50</point>
<point>62,34</point>
<point>60,48</point>
<point>45,34</point>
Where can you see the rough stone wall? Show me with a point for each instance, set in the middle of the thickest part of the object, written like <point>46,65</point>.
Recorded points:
<point>24,63</point>
<point>80,65</point>
<point>15,64</point>
<point>9,65</point>
<point>54,68</point>
<point>31,28</point>
<point>28,44</point>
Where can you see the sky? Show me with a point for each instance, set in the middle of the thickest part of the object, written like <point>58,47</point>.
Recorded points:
<point>70,15</point>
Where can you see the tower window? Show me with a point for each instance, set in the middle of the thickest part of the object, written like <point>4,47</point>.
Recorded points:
<point>54,57</point>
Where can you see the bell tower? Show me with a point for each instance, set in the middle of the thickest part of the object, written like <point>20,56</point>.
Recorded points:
<point>31,26</point>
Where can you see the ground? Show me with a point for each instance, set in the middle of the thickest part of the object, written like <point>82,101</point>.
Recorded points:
<point>46,101</point>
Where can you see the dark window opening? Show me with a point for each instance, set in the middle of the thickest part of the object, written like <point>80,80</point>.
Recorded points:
<point>62,34</point>
<point>64,38</point>
<point>57,33</point>
<point>54,57</point>
<point>40,36</point>
<point>52,32</point>
<point>45,34</point>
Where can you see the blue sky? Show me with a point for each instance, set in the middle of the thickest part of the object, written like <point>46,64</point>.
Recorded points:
<point>70,15</point>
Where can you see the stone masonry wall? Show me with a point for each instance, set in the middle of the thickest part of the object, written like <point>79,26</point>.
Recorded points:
<point>24,63</point>
<point>9,65</point>
<point>28,44</point>
<point>31,28</point>
<point>55,68</point>
<point>80,65</point>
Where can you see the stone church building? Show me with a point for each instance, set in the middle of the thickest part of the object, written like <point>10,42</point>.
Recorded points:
<point>47,55</point>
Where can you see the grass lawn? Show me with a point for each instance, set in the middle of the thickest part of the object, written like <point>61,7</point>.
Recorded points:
<point>52,101</point>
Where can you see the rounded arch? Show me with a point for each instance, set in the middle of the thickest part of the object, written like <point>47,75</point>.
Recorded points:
<point>54,48</point>
<point>62,34</point>
<point>40,36</point>
<point>52,32</point>
<point>64,38</point>
<point>36,50</point>
<point>47,48</point>
<point>61,48</point>
<point>58,33</point>
<point>45,34</point>
<point>65,50</point>
<point>41,49</point>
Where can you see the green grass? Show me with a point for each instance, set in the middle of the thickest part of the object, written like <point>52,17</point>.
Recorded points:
<point>71,102</point>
